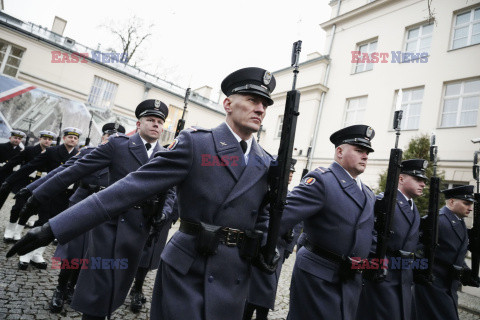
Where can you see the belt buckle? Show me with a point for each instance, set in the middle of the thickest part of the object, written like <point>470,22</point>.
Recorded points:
<point>232,237</point>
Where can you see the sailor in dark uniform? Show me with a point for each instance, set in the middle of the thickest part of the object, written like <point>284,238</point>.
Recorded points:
<point>337,211</point>
<point>439,300</point>
<point>28,154</point>
<point>11,148</point>
<point>47,161</point>
<point>393,298</point>
<point>221,179</point>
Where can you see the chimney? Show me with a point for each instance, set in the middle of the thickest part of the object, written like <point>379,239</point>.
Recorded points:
<point>204,91</point>
<point>59,25</point>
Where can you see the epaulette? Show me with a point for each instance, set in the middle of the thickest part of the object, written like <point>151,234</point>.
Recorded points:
<point>198,129</point>
<point>119,135</point>
<point>322,170</point>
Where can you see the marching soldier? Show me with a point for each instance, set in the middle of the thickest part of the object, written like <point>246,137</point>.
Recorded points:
<point>28,154</point>
<point>11,148</point>
<point>337,211</point>
<point>392,298</point>
<point>221,179</point>
<point>76,248</point>
<point>440,300</point>
<point>99,292</point>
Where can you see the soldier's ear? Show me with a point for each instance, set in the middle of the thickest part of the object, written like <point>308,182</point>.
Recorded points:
<point>227,105</point>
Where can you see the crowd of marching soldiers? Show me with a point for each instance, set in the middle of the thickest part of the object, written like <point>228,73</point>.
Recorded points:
<point>129,190</point>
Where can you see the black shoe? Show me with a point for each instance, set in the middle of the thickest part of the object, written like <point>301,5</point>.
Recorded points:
<point>58,299</point>
<point>23,265</point>
<point>69,295</point>
<point>9,240</point>
<point>137,301</point>
<point>39,265</point>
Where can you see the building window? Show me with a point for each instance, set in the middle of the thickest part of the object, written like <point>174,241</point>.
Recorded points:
<point>466,30</point>
<point>10,58</point>
<point>411,106</point>
<point>355,111</point>
<point>460,103</point>
<point>278,135</point>
<point>419,40</point>
<point>102,94</point>
<point>368,48</point>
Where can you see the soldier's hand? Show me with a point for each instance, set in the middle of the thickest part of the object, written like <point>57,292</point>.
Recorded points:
<point>261,263</point>
<point>30,208</point>
<point>422,277</point>
<point>23,193</point>
<point>34,239</point>
<point>156,226</point>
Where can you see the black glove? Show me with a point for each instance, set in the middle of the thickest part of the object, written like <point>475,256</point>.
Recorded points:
<point>260,261</point>
<point>157,223</point>
<point>421,276</point>
<point>5,189</point>
<point>29,209</point>
<point>469,279</point>
<point>23,194</point>
<point>34,239</point>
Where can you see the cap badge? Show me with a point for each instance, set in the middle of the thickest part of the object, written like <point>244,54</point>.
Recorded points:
<point>425,164</point>
<point>157,104</point>
<point>369,132</point>
<point>267,77</point>
<point>116,125</point>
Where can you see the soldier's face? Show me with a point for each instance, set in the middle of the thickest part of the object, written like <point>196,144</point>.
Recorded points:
<point>45,142</point>
<point>352,158</point>
<point>150,128</point>
<point>411,186</point>
<point>70,141</point>
<point>15,140</point>
<point>105,138</point>
<point>461,208</point>
<point>245,113</point>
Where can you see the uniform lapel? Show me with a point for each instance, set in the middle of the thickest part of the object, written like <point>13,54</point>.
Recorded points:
<point>404,207</point>
<point>456,224</point>
<point>368,206</point>
<point>157,148</point>
<point>227,147</point>
<point>253,172</point>
<point>348,184</point>
<point>136,147</point>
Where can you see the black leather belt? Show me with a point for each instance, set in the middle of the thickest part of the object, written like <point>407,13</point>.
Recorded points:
<point>90,187</point>
<point>400,254</point>
<point>228,236</point>
<point>324,253</point>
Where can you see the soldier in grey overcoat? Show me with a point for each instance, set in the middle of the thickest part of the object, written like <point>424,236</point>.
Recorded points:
<point>337,211</point>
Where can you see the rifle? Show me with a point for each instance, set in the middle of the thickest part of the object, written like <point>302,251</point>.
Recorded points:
<point>279,171</point>
<point>305,170</point>
<point>181,122</point>
<point>87,141</point>
<point>59,133</point>
<point>385,208</point>
<point>30,121</point>
<point>474,233</point>
<point>429,224</point>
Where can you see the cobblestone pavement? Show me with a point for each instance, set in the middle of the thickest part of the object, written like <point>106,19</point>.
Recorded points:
<point>26,294</point>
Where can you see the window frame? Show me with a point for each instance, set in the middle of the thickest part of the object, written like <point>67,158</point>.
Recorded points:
<point>99,100</point>
<point>347,104</point>
<point>471,22</point>
<point>7,54</point>
<point>365,64</point>
<point>461,97</point>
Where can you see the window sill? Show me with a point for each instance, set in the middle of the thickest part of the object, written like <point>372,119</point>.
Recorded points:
<point>470,45</point>
<point>458,127</point>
